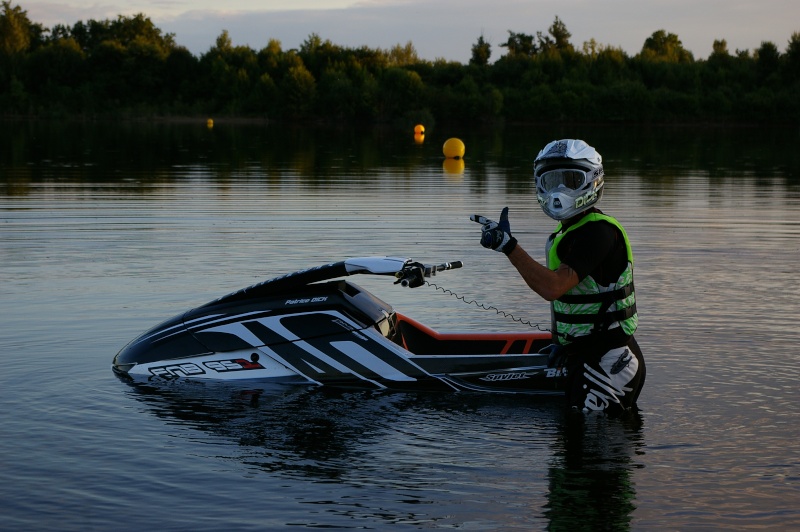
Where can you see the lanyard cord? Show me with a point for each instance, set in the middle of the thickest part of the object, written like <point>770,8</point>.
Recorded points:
<point>484,306</point>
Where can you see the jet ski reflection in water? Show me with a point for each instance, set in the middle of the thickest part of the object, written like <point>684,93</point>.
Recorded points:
<point>312,327</point>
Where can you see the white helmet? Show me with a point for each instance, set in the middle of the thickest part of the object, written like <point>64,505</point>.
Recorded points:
<point>569,178</point>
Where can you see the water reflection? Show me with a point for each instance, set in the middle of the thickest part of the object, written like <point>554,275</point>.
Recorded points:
<point>292,430</point>
<point>591,475</point>
<point>433,446</point>
<point>133,155</point>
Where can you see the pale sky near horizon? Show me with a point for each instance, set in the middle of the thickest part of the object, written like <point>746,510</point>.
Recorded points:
<point>443,28</point>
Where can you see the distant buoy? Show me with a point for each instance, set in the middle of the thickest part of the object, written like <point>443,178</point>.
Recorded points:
<point>209,123</point>
<point>419,129</point>
<point>419,138</point>
<point>453,148</point>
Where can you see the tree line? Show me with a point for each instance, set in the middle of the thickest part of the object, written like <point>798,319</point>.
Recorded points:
<point>127,67</point>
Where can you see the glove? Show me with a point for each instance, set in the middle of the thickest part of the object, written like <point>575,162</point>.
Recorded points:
<point>556,355</point>
<point>494,235</point>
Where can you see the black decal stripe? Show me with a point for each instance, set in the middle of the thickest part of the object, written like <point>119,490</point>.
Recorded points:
<point>396,362</point>
<point>334,330</point>
<point>297,358</point>
<point>200,324</point>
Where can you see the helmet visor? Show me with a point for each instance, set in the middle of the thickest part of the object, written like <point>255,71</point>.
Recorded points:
<point>569,178</point>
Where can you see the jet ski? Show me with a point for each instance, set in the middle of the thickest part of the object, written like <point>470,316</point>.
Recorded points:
<point>314,327</point>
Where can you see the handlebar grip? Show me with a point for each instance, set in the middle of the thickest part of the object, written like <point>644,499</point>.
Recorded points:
<point>447,266</point>
<point>477,218</point>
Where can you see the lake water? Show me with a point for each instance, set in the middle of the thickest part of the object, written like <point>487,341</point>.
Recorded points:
<point>107,229</point>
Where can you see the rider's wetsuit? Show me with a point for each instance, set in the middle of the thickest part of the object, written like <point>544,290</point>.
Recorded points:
<point>594,322</point>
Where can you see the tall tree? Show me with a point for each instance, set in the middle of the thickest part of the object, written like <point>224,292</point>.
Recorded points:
<point>481,51</point>
<point>17,33</point>
<point>767,59</point>
<point>792,58</point>
<point>720,48</point>
<point>520,45</point>
<point>299,92</point>
<point>558,30</point>
<point>403,55</point>
<point>666,47</point>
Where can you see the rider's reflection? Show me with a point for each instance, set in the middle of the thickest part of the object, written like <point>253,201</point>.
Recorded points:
<point>590,477</point>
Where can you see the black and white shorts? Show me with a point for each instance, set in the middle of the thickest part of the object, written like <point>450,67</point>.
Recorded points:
<point>606,382</point>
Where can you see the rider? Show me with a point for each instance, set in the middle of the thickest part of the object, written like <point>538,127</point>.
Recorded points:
<point>588,279</point>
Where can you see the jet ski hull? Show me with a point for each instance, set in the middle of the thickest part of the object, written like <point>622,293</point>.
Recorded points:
<point>333,333</point>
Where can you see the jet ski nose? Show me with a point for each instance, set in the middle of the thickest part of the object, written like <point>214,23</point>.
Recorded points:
<point>121,368</point>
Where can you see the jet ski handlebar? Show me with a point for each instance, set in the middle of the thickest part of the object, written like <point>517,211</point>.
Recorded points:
<point>413,274</point>
<point>406,271</point>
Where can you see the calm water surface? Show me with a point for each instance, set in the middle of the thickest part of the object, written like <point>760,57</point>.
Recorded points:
<point>105,230</point>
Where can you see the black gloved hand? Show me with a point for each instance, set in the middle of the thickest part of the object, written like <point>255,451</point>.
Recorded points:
<point>494,235</point>
<point>556,355</point>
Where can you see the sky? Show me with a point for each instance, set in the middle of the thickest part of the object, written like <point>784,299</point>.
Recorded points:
<point>443,29</point>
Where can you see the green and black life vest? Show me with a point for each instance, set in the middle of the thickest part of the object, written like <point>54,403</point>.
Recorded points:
<point>591,309</point>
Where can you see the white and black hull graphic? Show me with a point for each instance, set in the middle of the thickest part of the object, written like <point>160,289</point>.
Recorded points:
<point>335,334</point>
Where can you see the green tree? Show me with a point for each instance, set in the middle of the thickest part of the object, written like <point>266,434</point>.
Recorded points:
<point>665,47</point>
<point>337,95</point>
<point>269,57</point>
<point>400,91</point>
<point>140,29</point>
<point>298,89</point>
<point>105,65</point>
<point>481,52</point>
<point>123,30</point>
<point>561,36</point>
<point>720,48</point>
<point>767,61</point>
<point>520,45</point>
<point>718,78</point>
<point>791,66</point>
<point>768,53</point>
<point>318,55</point>
<point>17,33</point>
<point>56,67</point>
<point>591,48</point>
<point>607,65</point>
<point>15,36</point>
<point>402,55</point>
<point>181,75</point>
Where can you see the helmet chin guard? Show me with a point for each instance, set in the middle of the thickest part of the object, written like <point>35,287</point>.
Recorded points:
<point>569,178</point>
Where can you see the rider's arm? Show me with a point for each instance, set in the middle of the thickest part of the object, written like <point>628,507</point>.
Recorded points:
<point>583,254</point>
<point>547,283</point>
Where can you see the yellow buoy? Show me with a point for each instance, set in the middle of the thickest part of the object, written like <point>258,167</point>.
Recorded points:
<point>419,129</point>
<point>419,138</point>
<point>453,148</point>
<point>209,123</point>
